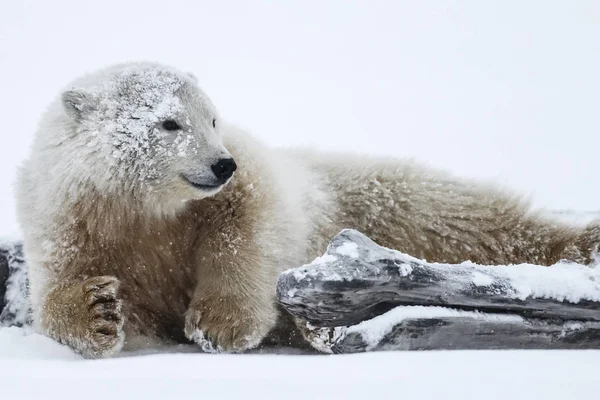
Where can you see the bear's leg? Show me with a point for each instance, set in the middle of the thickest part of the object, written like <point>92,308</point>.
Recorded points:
<point>230,323</point>
<point>86,315</point>
<point>233,306</point>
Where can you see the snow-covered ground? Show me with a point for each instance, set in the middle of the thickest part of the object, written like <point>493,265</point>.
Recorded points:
<point>490,90</point>
<point>32,366</point>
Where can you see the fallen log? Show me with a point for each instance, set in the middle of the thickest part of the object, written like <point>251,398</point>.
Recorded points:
<point>357,280</point>
<point>360,297</point>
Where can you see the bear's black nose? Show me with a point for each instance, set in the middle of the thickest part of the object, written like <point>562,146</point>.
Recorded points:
<point>224,169</point>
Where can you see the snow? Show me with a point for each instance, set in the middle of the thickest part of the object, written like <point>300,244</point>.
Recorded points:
<point>32,366</point>
<point>301,273</point>
<point>348,249</point>
<point>405,270</point>
<point>480,279</point>
<point>563,281</point>
<point>561,286</point>
<point>23,344</point>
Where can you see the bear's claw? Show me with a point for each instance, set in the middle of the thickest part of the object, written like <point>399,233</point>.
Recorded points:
<point>104,316</point>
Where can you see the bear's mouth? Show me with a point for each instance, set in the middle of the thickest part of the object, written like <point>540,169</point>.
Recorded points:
<point>201,186</point>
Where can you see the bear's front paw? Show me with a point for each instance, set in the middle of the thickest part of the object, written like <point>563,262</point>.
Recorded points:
<point>216,332</point>
<point>102,316</point>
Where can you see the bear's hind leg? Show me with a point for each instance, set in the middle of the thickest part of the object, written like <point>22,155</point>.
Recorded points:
<point>86,316</point>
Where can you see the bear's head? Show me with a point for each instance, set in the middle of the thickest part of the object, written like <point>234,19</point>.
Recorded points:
<point>151,132</point>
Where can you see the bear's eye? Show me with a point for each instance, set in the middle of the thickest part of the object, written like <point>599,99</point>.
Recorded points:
<point>214,123</point>
<point>171,125</point>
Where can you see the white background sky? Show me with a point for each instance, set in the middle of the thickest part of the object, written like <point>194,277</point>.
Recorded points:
<point>503,90</point>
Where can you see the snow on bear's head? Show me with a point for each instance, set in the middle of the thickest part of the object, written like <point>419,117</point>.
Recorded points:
<point>148,129</point>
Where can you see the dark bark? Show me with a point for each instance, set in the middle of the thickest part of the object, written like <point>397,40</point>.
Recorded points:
<point>464,333</point>
<point>3,276</point>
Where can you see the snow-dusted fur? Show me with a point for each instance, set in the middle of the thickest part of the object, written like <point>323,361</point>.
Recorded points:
<point>123,249</point>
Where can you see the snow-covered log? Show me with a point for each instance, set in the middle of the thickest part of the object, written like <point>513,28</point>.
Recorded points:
<point>343,294</point>
<point>14,285</point>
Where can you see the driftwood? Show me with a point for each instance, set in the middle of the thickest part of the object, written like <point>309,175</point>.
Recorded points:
<point>357,280</point>
<point>14,286</point>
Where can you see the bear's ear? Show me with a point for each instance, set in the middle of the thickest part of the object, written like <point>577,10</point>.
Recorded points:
<point>77,102</point>
<point>193,77</point>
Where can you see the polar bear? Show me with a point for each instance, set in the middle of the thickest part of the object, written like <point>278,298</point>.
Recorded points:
<point>147,219</point>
